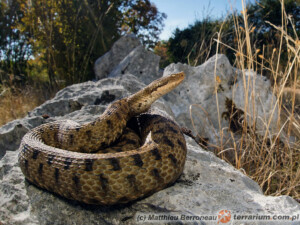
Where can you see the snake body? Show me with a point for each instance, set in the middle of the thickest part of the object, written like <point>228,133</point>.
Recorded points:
<point>88,163</point>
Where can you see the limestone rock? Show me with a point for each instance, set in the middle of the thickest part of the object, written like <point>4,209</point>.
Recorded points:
<point>207,185</point>
<point>11,133</point>
<point>200,87</point>
<point>120,49</point>
<point>140,62</point>
<point>128,56</point>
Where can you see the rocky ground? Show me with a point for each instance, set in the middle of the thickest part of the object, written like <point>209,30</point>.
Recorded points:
<point>208,184</point>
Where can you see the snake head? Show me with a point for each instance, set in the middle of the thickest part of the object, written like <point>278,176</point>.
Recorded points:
<point>141,101</point>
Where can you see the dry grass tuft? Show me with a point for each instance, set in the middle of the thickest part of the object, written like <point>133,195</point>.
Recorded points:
<point>271,161</point>
<point>16,103</point>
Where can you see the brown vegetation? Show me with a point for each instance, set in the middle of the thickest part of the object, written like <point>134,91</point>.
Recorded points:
<point>272,162</point>
<point>16,103</point>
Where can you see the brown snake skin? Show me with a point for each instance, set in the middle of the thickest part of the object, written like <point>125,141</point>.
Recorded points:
<point>89,163</point>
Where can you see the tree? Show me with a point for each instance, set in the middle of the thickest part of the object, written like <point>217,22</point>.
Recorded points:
<point>267,13</point>
<point>14,51</point>
<point>161,49</point>
<point>142,18</point>
<point>270,10</point>
<point>195,44</point>
<point>69,35</point>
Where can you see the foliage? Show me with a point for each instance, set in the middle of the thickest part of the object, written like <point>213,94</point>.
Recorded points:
<point>268,15</point>
<point>271,10</point>
<point>161,49</point>
<point>65,34</point>
<point>142,18</point>
<point>14,50</point>
<point>68,36</point>
<point>196,43</point>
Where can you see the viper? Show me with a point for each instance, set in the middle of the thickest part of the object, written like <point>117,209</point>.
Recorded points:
<point>123,155</point>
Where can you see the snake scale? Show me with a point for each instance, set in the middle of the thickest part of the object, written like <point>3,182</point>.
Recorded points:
<point>89,163</point>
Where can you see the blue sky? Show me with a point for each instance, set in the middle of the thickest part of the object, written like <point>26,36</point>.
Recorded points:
<point>181,13</point>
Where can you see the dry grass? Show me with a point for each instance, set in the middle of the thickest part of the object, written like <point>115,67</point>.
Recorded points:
<point>16,103</point>
<point>271,161</point>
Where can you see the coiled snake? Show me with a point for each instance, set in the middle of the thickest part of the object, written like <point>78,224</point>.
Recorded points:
<point>89,163</point>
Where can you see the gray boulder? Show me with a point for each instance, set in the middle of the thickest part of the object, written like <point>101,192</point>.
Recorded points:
<point>128,55</point>
<point>207,185</point>
<point>120,49</point>
<point>141,63</point>
<point>195,101</point>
